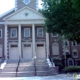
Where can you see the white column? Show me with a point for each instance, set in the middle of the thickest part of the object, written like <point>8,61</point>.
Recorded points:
<point>5,42</point>
<point>47,44</point>
<point>33,41</point>
<point>19,40</point>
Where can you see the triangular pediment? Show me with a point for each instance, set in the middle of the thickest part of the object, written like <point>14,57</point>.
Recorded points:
<point>25,13</point>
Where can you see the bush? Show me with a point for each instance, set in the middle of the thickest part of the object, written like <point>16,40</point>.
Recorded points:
<point>72,69</point>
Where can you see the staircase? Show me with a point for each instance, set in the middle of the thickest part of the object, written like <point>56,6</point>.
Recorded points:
<point>28,68</point>
<point>9,70</point>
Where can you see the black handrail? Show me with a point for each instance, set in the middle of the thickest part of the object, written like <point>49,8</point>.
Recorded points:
<point>17,67</point>
<point>35,67</point>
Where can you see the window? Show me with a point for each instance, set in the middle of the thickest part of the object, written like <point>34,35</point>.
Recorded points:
<point>39,32</point>
<point>54,34</point>
<point>26,32</point>
<point>67,53</point>
<point>0,33</point>
<point>70,62</point>
<point>13,32</point>
<point>75,54</point>
<point>66,43</point>
<point>74,43</point>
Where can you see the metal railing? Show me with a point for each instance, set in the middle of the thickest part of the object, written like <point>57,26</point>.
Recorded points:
<point>17,67</point>
<point>35,66</point>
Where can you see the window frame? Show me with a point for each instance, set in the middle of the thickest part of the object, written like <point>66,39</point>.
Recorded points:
<point>11,32</point>
<point>67,42</point>
<point>38,32</point>
<point>73,53</point>
<point>75,43</point>
<point>1,33</point>
<point>24,32</point>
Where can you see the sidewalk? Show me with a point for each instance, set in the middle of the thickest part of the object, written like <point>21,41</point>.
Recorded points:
<point>55,77</point>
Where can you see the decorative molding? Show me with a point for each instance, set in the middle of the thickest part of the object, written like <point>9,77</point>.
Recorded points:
<point>26,39</point>
<point>26,1</point>
<point>16,5</point>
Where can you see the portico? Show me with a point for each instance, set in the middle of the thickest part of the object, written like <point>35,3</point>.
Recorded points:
<point>31,48</point>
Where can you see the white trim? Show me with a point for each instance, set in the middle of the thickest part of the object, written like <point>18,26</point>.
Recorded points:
<point>1,22</point>
<point>75,43</point>
<point>29,32</point>
<point>28,21</point>
<point>67,43</point>
<point>26,7</point>
<point>54,36</point>
<point>16,5</point>
<point>11,32</point>
<point>74,50</point>
<point>38,32</point>
<point>1,33</point>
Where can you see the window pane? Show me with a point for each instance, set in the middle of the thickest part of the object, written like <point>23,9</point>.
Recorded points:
<point>26,32</point>
<point>40,32</point>
<point>75,54</point>
<point>14,33</point>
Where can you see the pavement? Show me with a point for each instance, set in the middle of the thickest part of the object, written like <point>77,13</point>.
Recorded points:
<point>55,77</point>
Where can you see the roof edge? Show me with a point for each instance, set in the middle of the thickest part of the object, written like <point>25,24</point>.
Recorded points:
<point>7,12</point>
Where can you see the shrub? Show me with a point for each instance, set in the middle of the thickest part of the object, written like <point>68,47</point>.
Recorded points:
<point>72,69</point>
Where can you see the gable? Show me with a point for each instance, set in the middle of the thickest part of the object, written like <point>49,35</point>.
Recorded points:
<point>24,14</point>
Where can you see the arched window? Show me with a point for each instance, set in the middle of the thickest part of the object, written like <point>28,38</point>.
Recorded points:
<point>70,62</point>
<point>75,53</point>
<point>67,52</point>
<point>55,48</point>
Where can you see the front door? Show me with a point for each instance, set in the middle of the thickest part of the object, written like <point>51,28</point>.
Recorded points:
<point>27,52</point>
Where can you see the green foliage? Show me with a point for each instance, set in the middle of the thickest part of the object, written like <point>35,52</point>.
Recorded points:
<point>72,69</point>
<point>62,17</point>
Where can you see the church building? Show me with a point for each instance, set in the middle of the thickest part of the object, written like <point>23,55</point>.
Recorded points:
<point>22,35</point>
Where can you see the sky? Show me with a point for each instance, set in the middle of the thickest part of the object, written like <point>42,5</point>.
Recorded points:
<point>6,5</point>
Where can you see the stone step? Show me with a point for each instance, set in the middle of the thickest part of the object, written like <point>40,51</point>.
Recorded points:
<point>7,74</point>
<point>25,74</point>
<point>26,68</point>
<point>9,69</point>
<point>42,68</point>
<point>41,73</point>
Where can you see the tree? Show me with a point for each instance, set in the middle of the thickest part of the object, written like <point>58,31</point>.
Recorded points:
<point>62,17</point>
